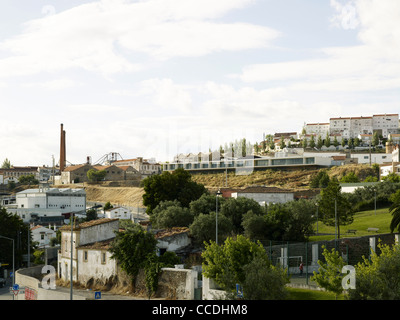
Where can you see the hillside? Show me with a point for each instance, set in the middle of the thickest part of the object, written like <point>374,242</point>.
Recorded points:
<point>129,196</point>
<point>293,179</point>
<point>297,180</point>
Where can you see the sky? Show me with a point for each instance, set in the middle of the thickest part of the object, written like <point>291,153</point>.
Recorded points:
<point>155,78</point>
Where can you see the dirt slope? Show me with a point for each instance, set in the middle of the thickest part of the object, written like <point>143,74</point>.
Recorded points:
<point>129,196</point>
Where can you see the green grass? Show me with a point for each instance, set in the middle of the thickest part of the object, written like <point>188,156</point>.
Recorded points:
<point>308,294</point>
<point>362,221</point>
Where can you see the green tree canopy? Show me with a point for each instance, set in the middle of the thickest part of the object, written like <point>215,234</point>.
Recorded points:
<point>177,185</point>
<point>170,214</point>
<point>237,262</point>
<point>131,248</point>
<point>378,278</point>
<point>6,164</point>
<point>96,175</point>
<point>334,206</point>
<point>12,226</point>
<point>329,274</point>
<point>203,228</point>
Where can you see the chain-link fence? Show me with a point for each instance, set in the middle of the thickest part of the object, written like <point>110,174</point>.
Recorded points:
<point>300,259</point>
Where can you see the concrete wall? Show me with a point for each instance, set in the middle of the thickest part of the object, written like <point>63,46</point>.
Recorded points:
<point>210,290</point>
<point>27,278</point>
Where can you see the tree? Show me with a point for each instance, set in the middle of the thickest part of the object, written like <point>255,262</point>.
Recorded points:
<point>392,177</point>
<point>108,205</point>
<point>335,142</point>
<point>319,142</point>
<point>334,207</point>
<point>131,248</point>
<point>264,281</point>
<point>312,142</point>
<point>237,261</point>
<point>350,178</point>
<point>205,204</point>
<point>378,278</point>
<point>91,214</point>
<point>375,139</point>
<point>170,216</point>
<point>329,274</point>
<point>28,179</point>
<point>327,140</point>
<point>12,226</point>
<point>282,145</point>
<point>225,263</point>
<point>320,180</point>
<point>395,211</point>
<point>96,175</point>
<point>177,185</point>
<point>234,209</point>
<point>356,142</point>
<point>304,143</point>
<point>6,164</point>
<point>203,227</point>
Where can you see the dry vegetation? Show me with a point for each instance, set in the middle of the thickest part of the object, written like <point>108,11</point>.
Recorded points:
<point>289,179</point>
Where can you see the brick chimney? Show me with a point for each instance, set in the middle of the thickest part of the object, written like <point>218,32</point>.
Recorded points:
<point>62,149</point>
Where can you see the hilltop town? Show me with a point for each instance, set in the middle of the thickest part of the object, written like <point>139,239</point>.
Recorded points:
<point>277,171</point>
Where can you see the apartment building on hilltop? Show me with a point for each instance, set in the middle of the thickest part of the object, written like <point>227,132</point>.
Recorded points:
<point>356,127</point>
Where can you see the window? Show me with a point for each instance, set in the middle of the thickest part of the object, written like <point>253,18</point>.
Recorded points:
<point>85,256</point>
<point>103,257</point>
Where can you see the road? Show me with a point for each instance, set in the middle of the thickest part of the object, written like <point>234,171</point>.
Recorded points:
<point>5,293</point>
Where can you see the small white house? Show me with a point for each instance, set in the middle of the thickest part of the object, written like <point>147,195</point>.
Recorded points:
<point>265,195</point>
<point>118,213</point>
<point>172,239</point>
<point>42,235</point>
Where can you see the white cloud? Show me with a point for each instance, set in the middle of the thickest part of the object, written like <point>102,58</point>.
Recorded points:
<point>346,15</point>
<point>96,36</point>
<point>56,84</point>
<point>372,65</point>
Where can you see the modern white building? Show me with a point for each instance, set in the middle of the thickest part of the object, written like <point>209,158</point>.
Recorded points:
<point>48,204</point>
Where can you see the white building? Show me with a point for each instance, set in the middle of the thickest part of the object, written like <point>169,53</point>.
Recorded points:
<point>386,124</point>
<point>42,235</point>
<point>265,195</point>
<point>118,213</point>
<point>90,256</point>
<point>45,202</point>
<point>317,129</point>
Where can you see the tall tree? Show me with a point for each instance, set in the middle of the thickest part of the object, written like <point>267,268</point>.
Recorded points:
<point>131,248</point>
<point>334,207</point>
<point>177,185</point>
<point>395,210</point>
<point>12,226</point>
<point>6,164</point>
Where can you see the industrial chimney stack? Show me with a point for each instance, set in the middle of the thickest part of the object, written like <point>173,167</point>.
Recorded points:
<point>62,150</point>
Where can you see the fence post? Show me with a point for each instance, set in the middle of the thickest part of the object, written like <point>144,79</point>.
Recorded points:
<point>287,258</point>
<point>306,263</point>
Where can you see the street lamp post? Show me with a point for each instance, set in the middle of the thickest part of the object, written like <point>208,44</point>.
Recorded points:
<point>216,216</point>
<point>72,248</point>
<point>317,215</point>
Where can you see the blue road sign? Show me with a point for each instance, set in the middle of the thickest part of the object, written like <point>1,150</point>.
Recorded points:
<point>15,287</point>
<point>97,295</point>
